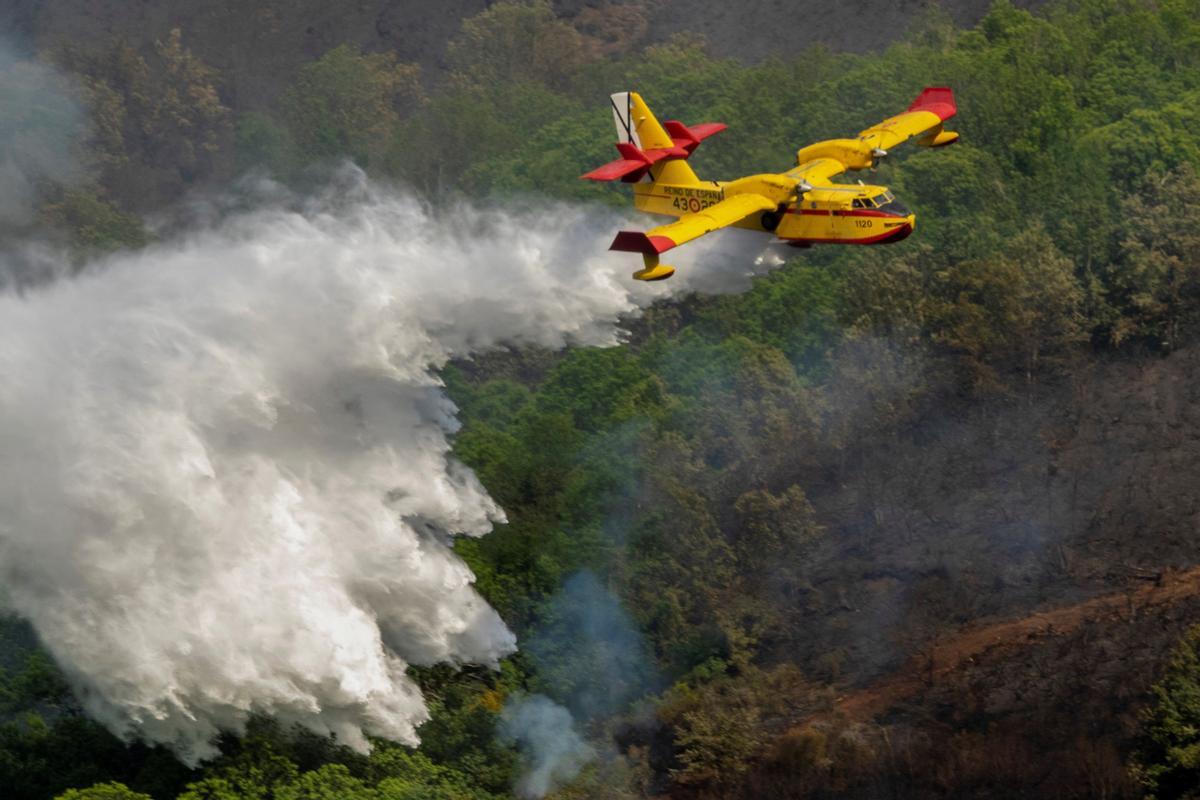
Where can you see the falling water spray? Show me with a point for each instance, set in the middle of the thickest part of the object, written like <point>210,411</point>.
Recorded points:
<point>226,486</point>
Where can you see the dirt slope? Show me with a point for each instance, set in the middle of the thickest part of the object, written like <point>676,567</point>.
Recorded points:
<point>965,656</point>
<point>999,585</point>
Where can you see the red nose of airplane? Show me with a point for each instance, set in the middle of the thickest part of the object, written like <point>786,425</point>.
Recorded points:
<point>900,231</point>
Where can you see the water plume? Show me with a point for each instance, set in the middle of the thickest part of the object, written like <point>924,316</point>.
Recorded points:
<point>226,486</point>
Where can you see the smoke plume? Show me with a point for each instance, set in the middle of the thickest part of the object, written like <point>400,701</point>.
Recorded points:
<point>41,125</point>
<point>589,656</point>
<point>545,733</point>
<point>225,480</point>
<point>589,653</point>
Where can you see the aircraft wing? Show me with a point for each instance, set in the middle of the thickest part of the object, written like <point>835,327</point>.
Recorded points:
<point>692,226</point>
<point>932,107</point>
<point>817,171</point>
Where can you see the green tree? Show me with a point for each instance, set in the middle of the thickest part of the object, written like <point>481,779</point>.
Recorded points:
<point>1013,310</point>
<point>1156,281</point>
<point>330,782</point>
<point>1167,763</point>
<point>254,773</point>
<point>348,103</point>
<point>187,122</point>
<point>516,42</point>
<point>94,224</point>
<point>104,791</point>
<point>159,123</point>
<point>263,142</point>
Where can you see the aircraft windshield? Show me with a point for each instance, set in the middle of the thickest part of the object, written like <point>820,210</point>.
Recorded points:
<point>884,200</point>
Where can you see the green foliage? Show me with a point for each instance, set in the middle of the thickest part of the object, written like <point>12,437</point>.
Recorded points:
<point>94,224</point>
<point>254,773</point>
<point>406,775</point>
<point>158,121</point>
<point>464,138</point>
<point>794,310</point>
<point>262,142</point>
<point>515,42</point>
<point>675,468</point>
<point>1168,761</point>
<point>272,764</point>
<point>1156,281</point>
<point>330,782</point>
<point>347,103</point>
<point>40,758</point>
<point>1014,309</point>
<point>103,791</point>
<point>717,719</point>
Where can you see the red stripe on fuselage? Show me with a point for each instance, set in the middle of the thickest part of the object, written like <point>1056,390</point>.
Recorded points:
<point>894,235</point>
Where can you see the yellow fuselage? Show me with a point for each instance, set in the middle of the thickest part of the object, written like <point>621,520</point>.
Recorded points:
<point>831,213</point>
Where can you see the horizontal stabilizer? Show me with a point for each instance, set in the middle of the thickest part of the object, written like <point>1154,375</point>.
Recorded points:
<point>638,242</point>
<point>707,129</point>
<point>619,170</point>
<point>633,164</point>
<point>689,138</point>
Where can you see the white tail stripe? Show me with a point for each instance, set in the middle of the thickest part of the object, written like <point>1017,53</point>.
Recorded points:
<point>622,107</point>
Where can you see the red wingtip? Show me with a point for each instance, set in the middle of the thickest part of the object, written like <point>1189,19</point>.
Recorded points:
<point>936,100</point>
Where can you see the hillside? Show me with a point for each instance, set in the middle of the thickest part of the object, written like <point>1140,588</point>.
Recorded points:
<point>258,46</point>
<point>1004,573</point>
<point>905,521</point>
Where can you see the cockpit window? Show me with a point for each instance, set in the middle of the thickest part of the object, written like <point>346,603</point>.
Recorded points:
<point>882,199</point>
<point>857,203</point>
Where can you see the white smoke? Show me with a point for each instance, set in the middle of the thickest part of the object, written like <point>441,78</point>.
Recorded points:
<point>225,481</point>
<point>41,125</point>
<point>552,748</point>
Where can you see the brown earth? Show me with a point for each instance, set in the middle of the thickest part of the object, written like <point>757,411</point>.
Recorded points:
<point>945,659</point>
<point>1041,706</point>
<point>999,585</point>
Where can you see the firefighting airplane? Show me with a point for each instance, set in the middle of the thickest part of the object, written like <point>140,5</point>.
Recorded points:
<point>801,206</point>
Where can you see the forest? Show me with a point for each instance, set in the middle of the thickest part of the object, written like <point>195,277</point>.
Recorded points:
<point>759,504</point>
